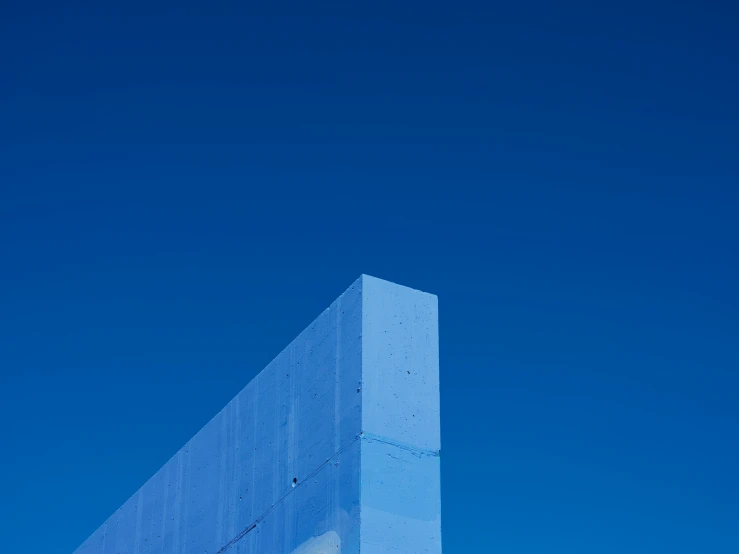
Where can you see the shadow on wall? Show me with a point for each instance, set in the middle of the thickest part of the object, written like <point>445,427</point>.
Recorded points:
<point>328,543</point>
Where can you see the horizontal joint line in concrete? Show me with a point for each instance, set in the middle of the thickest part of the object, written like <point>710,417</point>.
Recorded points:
<point>420,452</point>
<point>253,526</point>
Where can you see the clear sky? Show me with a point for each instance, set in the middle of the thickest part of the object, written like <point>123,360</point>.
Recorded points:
<point>184,188</point>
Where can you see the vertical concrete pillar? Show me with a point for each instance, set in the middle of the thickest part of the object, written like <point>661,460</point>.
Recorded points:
<point>332,448</point>
<point>400,491</point>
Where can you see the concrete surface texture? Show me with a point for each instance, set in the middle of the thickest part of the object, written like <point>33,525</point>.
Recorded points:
<point>333,448</point>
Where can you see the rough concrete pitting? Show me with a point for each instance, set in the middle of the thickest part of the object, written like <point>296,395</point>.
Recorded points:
<point>333,447</point>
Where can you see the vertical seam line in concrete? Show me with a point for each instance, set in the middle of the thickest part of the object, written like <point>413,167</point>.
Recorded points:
<point>361,405</point>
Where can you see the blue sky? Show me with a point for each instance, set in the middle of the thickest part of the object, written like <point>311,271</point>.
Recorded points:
<point>184,188</point>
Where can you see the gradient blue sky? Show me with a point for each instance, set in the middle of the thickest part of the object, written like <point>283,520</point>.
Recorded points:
<point>184,188</point>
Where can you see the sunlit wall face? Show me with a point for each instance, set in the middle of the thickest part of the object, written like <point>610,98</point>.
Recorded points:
<point>333,447</point>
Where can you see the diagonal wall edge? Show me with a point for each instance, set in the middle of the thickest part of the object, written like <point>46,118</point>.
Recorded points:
<point>333,447</point>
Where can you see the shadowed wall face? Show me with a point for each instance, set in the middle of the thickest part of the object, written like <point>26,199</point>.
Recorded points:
<point>333,447</point>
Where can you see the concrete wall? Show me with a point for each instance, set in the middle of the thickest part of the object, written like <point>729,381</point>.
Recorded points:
<point>333,447</point>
